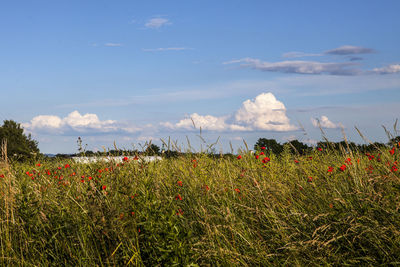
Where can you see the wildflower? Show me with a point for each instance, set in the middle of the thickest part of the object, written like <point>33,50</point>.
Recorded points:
<point>343,167</point>
<point>206,187</point>
<point>348,160</point>
<point>257,156</point>
<point>239,157</point>
<point>263,147</point>
<point>38,165</point>
<point>309,179</point>
<point>125,159</point>
<point>237,190</point>
<point>1,175</point>
<point>178,197</point>
<point>104,187</point>
<point>392,151</point>
<point>265,160</point>
<point>90,178</point>
<point>121,216</point>
<point>262,153</point>
<point>330,169</point>
<point>67,166</point>
<point>296,161</point>
<point>394,168</point>
<point>319,149</point>
<point>82,180</point>
<point>180,183</point>
<point>331,205</point>
<point>179,212</point>
<point>132,213</point>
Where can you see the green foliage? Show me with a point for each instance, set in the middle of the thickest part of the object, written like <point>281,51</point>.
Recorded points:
<point>152,150</point>
<point>271,145</point>
<point>19,146</point>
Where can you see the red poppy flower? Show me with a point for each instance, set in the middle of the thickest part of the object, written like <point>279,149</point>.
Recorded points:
<point>263,147</point>
<point>262,153</point>
<point>67,166</point>
<point>38,164</point>
<point>237,190</point>
<point>319,149</point>
<point>90,178</point>
<point>296,161</point>
<point>104,187</point>
<point>265,160</point>
<point>178,197</point>
<point>343,167</point>
<point>180,183</point>
<point>391,151</point>
<point>257,156</point>
<point>239,157</point>
<point>330,169</point>
<point>309,179</point>
<point>125,159</point>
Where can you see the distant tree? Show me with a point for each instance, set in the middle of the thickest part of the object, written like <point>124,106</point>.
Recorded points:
<point>296,145</point>
<point>152,150</point>
<point>395,141</point>
<point>270,145</point>
<point>19,146</point>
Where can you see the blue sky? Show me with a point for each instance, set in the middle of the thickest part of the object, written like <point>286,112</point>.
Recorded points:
<point>131,71</point>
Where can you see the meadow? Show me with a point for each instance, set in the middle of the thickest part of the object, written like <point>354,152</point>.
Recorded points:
<point>327,207</point>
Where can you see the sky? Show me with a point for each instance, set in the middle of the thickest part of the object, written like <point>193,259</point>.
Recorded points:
<point>199,72</point>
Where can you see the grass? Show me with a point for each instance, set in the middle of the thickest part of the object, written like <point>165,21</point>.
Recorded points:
<point>198,210</point>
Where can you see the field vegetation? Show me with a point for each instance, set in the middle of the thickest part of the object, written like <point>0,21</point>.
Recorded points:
<point>325,206</point>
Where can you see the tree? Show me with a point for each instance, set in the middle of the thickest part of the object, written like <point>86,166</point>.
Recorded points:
<point>270,145</point>
<point>152,150</point>
<point>19,146</point>
<point>298,146</point>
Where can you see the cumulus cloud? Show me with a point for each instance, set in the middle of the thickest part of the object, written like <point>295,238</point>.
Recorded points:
<point>300,67</point>
<point>390,69</point>
<point>324,122</point>
<point>264,113</point>
<point>156,23</point>
<point>350,50</point>
<point>165,49</point>
<point>76,123</point>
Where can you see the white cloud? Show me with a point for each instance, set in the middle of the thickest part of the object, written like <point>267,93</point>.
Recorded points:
<point>113,44</point>
<point>296,54</point>
<point>350,50</point>
<point>324,122</point>
<point>264,113</point>
<point>76,123</point>
<point>156,23</point>
<point>165,49</point>
<point>390,69</point>
<point>300,67</point>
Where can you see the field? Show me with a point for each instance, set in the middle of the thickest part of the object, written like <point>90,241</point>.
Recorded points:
<point>328,207</point>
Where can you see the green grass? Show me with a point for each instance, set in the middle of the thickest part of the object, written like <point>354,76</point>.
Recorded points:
<point>232,211</point>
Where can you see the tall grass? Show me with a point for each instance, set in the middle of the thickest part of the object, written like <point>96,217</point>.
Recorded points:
<point>198,210</point>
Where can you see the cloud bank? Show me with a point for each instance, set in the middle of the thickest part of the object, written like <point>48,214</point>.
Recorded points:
<point>300,67</point>
<point>264,113</point>
<point>350,50</point>
<point>75,123</point>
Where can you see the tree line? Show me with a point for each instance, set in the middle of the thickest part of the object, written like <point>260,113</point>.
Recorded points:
<point>22,147</point>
